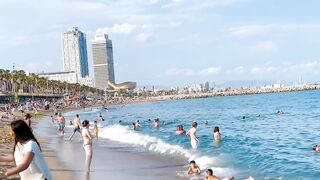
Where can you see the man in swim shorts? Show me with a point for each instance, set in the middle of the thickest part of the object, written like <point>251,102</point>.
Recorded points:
<point>76,123</point>
<point>193,135</point>
<point>61,123</point>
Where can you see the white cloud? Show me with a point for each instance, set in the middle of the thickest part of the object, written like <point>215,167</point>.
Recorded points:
<point>305,68</point>
<point>210,71</point>
<point>179,72</point>
<point>196,5</point>
<point>270,69</point>
<point>19,40</point>
<point>266,46</point>
<point>127,28</point>
<point>237,70</point>
<point>189,72</point>
<point>259,29</point>
<point>118,29</point>
<point>143,37</point>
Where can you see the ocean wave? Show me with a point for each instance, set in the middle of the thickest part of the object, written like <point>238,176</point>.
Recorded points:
<point>126,135</point>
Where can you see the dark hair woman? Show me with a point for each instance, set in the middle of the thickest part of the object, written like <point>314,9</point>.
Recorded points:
<point>87,144</point>
<point>216,135</point>
<point>27,154</point>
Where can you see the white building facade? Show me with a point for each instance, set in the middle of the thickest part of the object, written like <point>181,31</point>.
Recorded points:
<point>69,77</point>
<point>74,52</point>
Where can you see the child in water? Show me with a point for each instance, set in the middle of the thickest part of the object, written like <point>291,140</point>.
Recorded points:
<point>194,168</point>
<point>95,130</point>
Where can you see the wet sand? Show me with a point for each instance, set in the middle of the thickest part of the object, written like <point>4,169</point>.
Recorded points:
<point>111,160</point>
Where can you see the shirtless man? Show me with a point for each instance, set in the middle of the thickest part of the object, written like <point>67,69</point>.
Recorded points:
<point>193,135</point>
<point>194,168</point>
<point>61,123</point>
<point>156,123</point>
<point>137,124</point>
<point>76,123</point>
<point>210,176</point>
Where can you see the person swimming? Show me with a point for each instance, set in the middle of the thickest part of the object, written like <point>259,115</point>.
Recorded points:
<point>194,169</point>
<point>164,123</point>
<point>156,123</point>
<point>280,112</point>
<point>137,124</point>
<point>206,123</point>
<point>316,148</point>
<point>210,176</point>
<point>180,130</point>
<point>216,135</point>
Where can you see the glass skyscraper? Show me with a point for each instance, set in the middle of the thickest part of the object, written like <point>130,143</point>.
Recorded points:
<point>102,61</point>
<point>74,52</point>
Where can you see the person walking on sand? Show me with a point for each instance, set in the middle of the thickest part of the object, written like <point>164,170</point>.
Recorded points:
<point>87,144</point>
<point>193,135</point>
<point>27,155</point>
<point>95,130</point>
<point>27,118</point>
<point>61,124</point>
<point>76,123</point>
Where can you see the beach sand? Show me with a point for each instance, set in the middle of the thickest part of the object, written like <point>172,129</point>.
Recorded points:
<point>111,160</point>
<point>57,168</point>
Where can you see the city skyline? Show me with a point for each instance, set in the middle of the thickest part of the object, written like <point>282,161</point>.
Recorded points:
<point>171,42</point>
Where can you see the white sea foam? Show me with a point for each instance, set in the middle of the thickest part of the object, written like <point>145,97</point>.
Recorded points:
<point>126,135</point>
<point>86,111</point>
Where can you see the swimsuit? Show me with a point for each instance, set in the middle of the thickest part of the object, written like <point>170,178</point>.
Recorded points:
<point>194,143</point>
<point>95,132</point>
<point>61,126</point>
<point>77,128</point>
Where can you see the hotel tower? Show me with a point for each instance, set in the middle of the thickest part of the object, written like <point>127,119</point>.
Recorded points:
<point>74,52</point>
<point>102,61</point>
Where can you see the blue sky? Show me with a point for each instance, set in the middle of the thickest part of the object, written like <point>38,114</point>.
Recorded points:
<point>171,42</point>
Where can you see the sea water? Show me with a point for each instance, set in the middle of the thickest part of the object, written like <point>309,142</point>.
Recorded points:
<point>255,140</point>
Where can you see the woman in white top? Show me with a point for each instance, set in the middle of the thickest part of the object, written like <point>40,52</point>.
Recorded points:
<point>87,144</point>
<point>26,154</point>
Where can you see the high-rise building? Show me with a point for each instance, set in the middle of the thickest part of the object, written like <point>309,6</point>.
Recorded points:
<point>102,61</point>
<point>74,52</point>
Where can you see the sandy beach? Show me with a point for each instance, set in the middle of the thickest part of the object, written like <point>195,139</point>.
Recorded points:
<point>110,159</point>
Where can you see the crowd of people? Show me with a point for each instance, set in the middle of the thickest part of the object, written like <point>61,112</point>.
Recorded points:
<point>30,163</point>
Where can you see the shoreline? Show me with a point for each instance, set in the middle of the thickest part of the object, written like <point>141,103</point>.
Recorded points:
<point>111,159</point>
<point>215,93</point>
